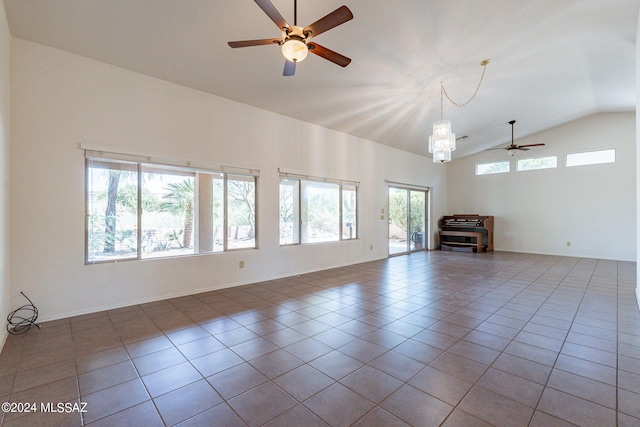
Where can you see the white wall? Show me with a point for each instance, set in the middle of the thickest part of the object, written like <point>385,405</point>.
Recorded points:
<point>638,161</point>
<point>59,99</point>
<point>593,207</point>
<point>5,55</point>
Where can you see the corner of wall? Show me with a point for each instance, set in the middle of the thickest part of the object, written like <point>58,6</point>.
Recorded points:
<point>637,160</point>
<point>5,83</point>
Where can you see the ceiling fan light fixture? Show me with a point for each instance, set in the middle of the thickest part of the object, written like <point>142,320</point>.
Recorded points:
<point>293,40</point>
<point>295,49</point>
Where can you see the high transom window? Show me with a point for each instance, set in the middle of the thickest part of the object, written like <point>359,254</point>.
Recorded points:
<point>537,163</point>
<point>591,157</point>
<point>493,167</point>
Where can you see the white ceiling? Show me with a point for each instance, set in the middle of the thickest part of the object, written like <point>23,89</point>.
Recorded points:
<point>552,61</point>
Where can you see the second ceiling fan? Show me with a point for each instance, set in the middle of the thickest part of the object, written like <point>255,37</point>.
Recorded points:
<point>295,40</point>
<point>514,146</point>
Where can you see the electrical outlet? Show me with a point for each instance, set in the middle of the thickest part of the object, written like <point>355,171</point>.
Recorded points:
<point>371,247</point>
<point>241,264</point>
<point>568,243</point>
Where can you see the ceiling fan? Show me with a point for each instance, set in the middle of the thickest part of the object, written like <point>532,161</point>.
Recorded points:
<point>295,40</point>
<point>514,146</point>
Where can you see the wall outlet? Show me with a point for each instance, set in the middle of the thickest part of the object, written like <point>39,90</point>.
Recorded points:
<point>370,247</point>
<point>568,243</point>
<point>381,216</point>
<point>241,264</point>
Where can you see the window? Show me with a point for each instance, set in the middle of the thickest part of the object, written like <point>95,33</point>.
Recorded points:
<point>592,157</point>
<point>142,210</point>
<point>537,163</point>
<point>490,168</point>
<point>319,212</point>
<point>289,211</point>
<point>349,230</point>
<point>314,211</point>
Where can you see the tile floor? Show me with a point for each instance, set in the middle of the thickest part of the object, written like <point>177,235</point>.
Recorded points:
<point>435,338</point>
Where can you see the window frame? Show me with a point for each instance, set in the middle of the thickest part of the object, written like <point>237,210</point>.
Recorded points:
<point>145,164</point>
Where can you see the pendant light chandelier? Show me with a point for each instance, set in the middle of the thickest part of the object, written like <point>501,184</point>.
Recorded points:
<point>443,142</point>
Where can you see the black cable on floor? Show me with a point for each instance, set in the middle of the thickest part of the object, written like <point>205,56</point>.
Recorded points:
<point>20,320</point>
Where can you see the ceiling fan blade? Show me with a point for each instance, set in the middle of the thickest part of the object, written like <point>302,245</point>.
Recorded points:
<point>272,13</point>
<point>247,43</point>
<point>532,145</point>
<point>335,18</point>
<point>522,149</point>
<point>289,68</point>
<point>329,55</point>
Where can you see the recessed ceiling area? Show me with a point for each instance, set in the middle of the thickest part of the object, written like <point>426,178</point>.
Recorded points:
<point>551,61</point>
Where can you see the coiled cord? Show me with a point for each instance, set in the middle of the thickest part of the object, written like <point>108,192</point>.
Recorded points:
<point>20,320</point>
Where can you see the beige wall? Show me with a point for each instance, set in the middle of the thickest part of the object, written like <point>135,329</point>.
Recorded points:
<point>59,100</point>
<point>593,207</point>
<point>5,291</point>
<point>638,161</point>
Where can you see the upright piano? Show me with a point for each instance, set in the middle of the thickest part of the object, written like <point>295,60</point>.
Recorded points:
<point>466,233</point>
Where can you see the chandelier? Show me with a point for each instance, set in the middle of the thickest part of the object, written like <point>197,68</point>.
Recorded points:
<point>443,142</point>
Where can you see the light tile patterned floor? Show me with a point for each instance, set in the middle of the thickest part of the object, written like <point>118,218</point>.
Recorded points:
<point>435,338</point>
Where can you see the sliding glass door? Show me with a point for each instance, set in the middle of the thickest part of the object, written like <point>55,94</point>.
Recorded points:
<point>407,220</point>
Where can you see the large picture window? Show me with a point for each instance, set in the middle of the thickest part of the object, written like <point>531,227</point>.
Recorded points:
<point>314,211</point>
<point>141,210</point>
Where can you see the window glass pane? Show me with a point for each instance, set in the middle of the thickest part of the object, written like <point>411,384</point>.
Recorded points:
<point>398,220</point>
<point>241,212</point>
<point>112,206</point>
<point>417,200</point>
<point>591,157</point>
<point>289,211</point>
<point>320,212</point>
<point>490,168</point>
<point>537,163</point>
<point>167,212</point>
<point>349,220</point>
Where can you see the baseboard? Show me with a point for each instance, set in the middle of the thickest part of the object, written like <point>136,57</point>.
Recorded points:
<point>179,294</point>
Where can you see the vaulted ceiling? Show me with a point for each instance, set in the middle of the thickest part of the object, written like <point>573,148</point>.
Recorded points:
<point>551,61</point>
